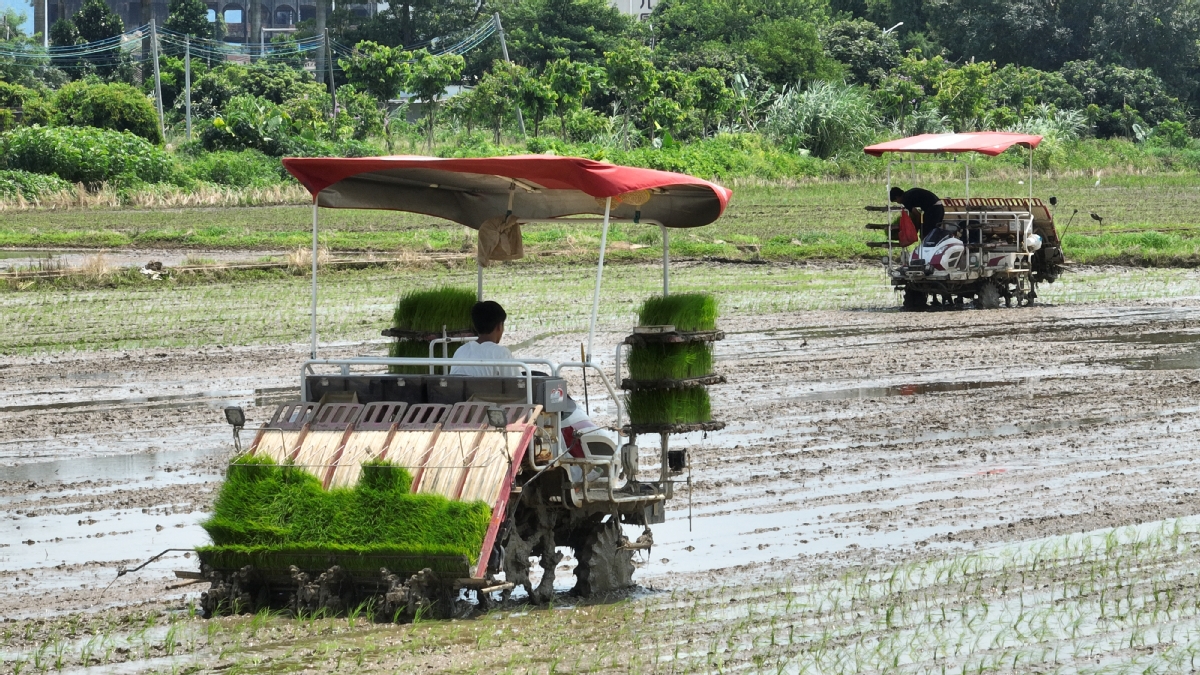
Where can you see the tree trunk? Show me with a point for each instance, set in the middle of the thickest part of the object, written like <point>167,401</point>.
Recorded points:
<point>562,123</point>
<point>432,113</point>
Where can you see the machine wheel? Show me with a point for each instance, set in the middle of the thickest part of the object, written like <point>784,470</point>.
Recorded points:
<point>989,296</point>
<point>914,300</point>
<point>604,567</point>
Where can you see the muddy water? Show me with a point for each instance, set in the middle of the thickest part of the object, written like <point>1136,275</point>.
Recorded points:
<point>854,437</point>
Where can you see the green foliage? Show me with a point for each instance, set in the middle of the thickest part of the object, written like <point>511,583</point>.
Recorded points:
<point>248,168</point>
<point>670,361</point>
<point>248,123</point>
<point>30,186</point>
<point>826,119</point>
<point>96,21</point>
<point>358,116</point>
<point>542,31</point>
<point>378,70</point>
<point>1171,134</point>
<point>685,311</point>
<point>571,82</point>
<point>1118,97</point>
<point>868,53</point>
<point>64,33</point>
<point>189,17</point>
<point>428,77</point>
<point>119,107</point>
<point>87,155</point>
<point>285,510</point>
<point>35,108</point>
<point>686,405</point>
<point>430,310</point>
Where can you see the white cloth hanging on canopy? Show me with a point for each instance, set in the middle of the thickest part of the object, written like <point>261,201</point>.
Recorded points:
<point>499,240</point>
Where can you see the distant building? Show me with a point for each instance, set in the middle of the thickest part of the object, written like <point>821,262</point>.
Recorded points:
<point>275,13</point>
<point>639,9</point>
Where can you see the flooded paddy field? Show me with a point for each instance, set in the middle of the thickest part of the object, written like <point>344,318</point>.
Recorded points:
<point>1010,490</point>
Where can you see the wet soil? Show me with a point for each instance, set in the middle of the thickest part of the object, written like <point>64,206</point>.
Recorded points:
<point>853,438</point>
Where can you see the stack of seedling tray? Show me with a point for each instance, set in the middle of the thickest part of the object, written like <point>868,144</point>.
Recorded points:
<point>671,365</point>
<point>273,516</point>
<point>424,316</point>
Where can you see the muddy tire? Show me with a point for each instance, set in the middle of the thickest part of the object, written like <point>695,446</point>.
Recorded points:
<point>989,296</point>
<point>914,300</point>
<point>604,566</point>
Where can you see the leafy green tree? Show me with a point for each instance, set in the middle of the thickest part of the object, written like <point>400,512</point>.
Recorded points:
<point>496,93</point>
<point>571,81</point>
<point>96,21</point>
<point>962,94</point>
<point>539,98</point>
<point>378,70</point>
<point>357,116</point>
<point>869,54</point>
<point>63,33</point>
<point>713,97</point>
<point>1117,97</point>
<point>778,37</point>
<point>1160,35</point>
<point>429,75</point>
<point>633,78</point>
<point>407,22</point>
<point>189,17</point>
<point>540,31</point>
<point>669,110</point>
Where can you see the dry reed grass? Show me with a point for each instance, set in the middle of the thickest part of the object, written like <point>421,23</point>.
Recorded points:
<point>95,267</point>
<point>301,259</point>
<point>163,197</point>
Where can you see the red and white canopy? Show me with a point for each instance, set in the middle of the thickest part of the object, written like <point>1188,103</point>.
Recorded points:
<point>990,143</point>
<point>470,191</point>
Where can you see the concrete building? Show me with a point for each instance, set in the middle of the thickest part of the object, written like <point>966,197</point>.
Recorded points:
<point>239,15</point>
<point>639,9</point>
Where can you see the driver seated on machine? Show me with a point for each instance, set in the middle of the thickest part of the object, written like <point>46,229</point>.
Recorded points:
<point>488,319</point>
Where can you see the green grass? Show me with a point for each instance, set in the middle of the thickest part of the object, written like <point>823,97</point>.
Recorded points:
<point>670,362</point>
<point>669,406</point>
<point>264,509</point>
<point>685,311</point>
<point>431,310</point>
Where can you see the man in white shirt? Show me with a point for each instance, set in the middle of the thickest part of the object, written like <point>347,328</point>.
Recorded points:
<point>488,317</point>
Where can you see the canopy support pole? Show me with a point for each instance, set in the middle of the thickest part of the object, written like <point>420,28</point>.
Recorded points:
<point>599,277</point>
<point>666,260</point>
<point>314,280</point>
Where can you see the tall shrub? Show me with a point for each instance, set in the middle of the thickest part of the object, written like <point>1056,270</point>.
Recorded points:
<point>118,107</point>
<point>86,155</point>
<point>826,118</point>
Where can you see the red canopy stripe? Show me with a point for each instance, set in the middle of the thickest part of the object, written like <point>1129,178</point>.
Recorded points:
<point>989,143</point>
<point>596,179</point>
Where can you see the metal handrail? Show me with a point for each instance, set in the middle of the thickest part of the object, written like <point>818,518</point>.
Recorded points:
<point>345,364</point>
<point>612,392</point>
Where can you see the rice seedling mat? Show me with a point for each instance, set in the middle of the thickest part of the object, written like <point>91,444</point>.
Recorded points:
<point>634,385</point>
<point>675,337</point>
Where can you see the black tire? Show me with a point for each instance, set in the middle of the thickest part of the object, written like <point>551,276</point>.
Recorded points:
<point>915,300</point>
<point>604,567</point>
<point>989,296</point>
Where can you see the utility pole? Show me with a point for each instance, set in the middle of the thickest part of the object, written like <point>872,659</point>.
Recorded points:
<point>46,24</point>
<point>187,83</point>
<point>504,51</point>
<point>329,60</point>
<point>320,19</point>
<point>162,127</point>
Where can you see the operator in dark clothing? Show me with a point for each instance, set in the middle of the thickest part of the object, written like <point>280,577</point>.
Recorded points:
<point>932,210</point>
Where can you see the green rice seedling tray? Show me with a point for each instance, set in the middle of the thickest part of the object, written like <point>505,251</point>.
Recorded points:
<point>274,516</point>
<point>689,405</point>
<point>429,311</point>
<point>657,362</point>
<point>688,312</point>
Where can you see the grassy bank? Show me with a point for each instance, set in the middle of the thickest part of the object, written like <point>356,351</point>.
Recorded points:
<point>1148,220</point>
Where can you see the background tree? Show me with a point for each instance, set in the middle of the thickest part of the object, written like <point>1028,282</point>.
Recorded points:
<point>539,99</point>
<point>571,81</point>
<point>713,97</point>
<point>378,70</point>
<point>428,78</point>
<point>497,93</point>
<point>95,21</point>
<point>541,31</point>
<point>869,55</point>
<point>633,78</point>
<point>189,17</point>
